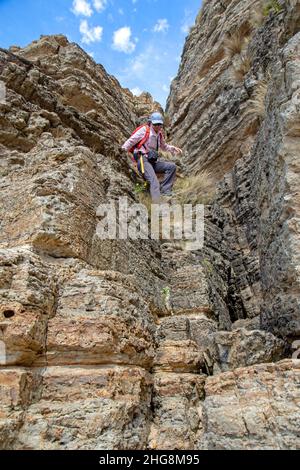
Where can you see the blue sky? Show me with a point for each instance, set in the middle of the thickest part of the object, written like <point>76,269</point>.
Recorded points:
<point>138,41</point>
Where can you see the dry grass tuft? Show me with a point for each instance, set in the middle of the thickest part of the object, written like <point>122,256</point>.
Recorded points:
<point>257,105</point>
<point>198,189</point>
<point>235,44</point>
<point>241,67</point>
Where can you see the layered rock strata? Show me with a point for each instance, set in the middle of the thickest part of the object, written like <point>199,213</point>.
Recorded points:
<point>78,314</point>
<point>234,109</point>
<point>93,353</point>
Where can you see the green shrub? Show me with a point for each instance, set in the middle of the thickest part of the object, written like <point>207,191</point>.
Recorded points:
<point>272,5</point>
<point>140,188</point>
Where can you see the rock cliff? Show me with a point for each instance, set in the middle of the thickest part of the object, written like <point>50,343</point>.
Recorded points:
<point>92,354</point>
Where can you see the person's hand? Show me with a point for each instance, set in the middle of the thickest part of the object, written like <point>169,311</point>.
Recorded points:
<point>178,150</point>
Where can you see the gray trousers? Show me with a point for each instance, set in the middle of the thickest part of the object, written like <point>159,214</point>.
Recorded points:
<point>156,188</point>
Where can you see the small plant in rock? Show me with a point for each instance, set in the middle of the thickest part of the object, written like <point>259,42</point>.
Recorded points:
<point>261,11</point>
<point>94,150</point>
<point>199,17</point>
<point>257,18</point>
<point>166,292</point>
<point>166,295</point>
<point>140,188</point>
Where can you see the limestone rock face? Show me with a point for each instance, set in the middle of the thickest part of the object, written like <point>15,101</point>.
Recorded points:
<point>122,344</point>
<point>75,408</point>
<point>242,348</point>
<point>101,315</point>
<point>28,296</point>
<point>251,408</point>
<point>206,111</point>
<point>177,400</point>
<point>78,314</point>
<point>234,108</point>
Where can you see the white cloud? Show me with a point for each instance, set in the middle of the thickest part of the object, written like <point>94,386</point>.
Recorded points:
<point>136,91</point>
<point>99,5</point>
<point>122,40</point>
<point>161,26</point>
<point>139,64</point>
<point>90,34</point>
<point>148,61</point>
<point>150,71</point>
<point>82,7</point>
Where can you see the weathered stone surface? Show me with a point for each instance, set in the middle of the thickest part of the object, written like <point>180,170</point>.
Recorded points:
<point>242,348</point>
<point>16,387</point>
<point>249,144</point>
<point>177,402</point>
<point>253,408</point>
<point>104,344</point>
<point>279,219</point>
<point>206,109</point>
<point>76,408</point>
<point>186,344</point>
<point>188,282</point>
<point>248,324</point>
<point>94,101</point>
<point>26,279</point>
<point>101,318</point>
<point>28,291</point>
<point>59,161</point>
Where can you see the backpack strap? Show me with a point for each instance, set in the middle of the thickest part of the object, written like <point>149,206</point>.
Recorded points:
<point>144,139</point>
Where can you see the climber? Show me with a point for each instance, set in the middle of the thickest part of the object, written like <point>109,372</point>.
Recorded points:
<point>144,144</point>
